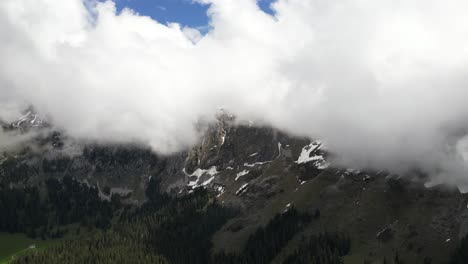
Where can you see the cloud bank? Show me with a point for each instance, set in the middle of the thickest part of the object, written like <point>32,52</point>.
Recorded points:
<point>382,83</point>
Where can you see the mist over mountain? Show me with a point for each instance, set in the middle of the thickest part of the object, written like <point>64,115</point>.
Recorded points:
<point>243,194</point>
<point>367,78</point>
<point>321,131</point>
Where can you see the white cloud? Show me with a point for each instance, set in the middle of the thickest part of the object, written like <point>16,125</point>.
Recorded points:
<point>382,83</point>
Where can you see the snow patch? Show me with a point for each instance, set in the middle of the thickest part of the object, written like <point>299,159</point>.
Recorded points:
<point>29,117</point>
<point>200,172</point>
<point>306,156</point>
<point>220,190</point>
<point>306,151</point>
<point>25,117</point>
<point>242,189</point>
<point>256,163</point>
<point>242,173</point>
<point>205,183</point>
<point>223,137</point>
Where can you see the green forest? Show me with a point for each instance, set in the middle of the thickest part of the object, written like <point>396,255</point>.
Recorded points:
<point>165,229</point>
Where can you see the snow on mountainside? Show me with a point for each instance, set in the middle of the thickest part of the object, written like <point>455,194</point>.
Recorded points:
<point>260,171</point>
<point>313,153</point>
<point>29,119</point>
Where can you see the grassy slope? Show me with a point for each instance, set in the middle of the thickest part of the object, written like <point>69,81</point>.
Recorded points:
<point>14,244</point>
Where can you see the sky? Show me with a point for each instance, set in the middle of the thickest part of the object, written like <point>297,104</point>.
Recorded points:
<point>382,83</point>
<point>185,12</point>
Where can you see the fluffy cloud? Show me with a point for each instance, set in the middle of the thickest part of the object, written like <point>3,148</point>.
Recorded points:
<point>383,83</point>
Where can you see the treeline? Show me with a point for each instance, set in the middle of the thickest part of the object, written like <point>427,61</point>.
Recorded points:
<point>180,229</point>
<point>39,212</point>
<point>460,255</point>
<point>325,248</point>
<point>13,170</point>
<point>105,248</point>
<point>266,242</point>
<point>104,158</point>
<point>177,231</point>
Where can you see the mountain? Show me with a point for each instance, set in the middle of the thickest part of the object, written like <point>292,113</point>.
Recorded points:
<point>244,194</point>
